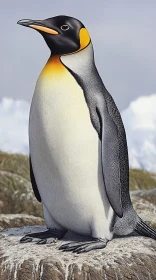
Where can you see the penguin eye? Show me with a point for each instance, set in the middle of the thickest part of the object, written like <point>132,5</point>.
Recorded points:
<point>65,27</point>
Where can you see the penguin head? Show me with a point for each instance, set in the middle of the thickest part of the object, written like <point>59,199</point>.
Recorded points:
<point>63,34</point>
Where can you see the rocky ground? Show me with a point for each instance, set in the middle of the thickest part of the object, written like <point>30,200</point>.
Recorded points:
<point>128,258</point>
<point>123,258</point>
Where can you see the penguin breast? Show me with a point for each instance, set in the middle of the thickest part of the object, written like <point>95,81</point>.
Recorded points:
<point>65,152</point>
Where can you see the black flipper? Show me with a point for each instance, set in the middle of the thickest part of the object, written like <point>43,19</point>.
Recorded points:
<point>145,230</point>
<point>33,182</point>
<point>114,153</point>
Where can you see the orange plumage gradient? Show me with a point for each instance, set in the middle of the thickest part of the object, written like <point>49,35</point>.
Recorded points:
<point>53,66</point>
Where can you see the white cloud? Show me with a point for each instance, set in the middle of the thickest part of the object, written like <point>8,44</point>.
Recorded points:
<point>140,124</point>
<point>139,120</point>
<point>14,116</point>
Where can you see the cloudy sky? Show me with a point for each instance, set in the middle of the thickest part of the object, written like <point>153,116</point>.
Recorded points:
<point>123,35</point>
<point>139,119</point>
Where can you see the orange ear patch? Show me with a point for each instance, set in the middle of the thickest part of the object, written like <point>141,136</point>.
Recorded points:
<point>84,38</point>
<point>44,29</point>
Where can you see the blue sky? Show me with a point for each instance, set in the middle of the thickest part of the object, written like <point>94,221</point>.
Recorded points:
<point>123,35</point>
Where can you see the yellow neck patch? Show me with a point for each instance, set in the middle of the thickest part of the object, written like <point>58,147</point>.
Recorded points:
<point>84,38</point>
<point>53,66</point>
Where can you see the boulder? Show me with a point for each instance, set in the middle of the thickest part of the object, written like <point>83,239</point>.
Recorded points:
<point>144,202</point>
<point>18,220</point>
<point>149,195</point>
<point>131,258</point>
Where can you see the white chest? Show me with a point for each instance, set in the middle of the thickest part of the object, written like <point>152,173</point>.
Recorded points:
<point>66,153</point>
<point>61,131</point>
<point>60,117</point>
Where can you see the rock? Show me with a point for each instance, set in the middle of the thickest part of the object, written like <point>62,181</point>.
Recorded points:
<point>131,258</point>
<point>16,194</point>
<point>18,220</point>
<point>149,195</point>
<point>144,202</point>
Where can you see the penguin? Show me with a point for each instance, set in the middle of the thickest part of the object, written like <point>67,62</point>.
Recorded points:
<point>78,150</point>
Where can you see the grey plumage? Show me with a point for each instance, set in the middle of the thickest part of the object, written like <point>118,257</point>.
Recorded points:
<point>104,113</point>
<point>115,163</point>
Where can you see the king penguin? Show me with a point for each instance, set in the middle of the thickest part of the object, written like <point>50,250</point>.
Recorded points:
<point>78,149</point>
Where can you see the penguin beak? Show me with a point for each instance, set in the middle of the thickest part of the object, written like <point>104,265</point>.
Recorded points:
<point>38,25</point>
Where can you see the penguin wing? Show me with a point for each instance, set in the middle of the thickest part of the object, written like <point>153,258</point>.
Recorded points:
<point>114,152</point>
<point>33,182</point>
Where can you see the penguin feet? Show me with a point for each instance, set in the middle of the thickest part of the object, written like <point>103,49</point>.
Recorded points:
<point>80,247</point>
<point>45,237</point>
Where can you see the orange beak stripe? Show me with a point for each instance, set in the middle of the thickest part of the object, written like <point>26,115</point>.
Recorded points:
<point>44,29</point>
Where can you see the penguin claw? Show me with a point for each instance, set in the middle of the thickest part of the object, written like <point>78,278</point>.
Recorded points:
<point>45,237</point>
<point>79,248</point>
<point>80,251</point>
<point>67,245</point>
<point>38,241</point>
<point>42,241</point>
<point>82,247</point>
<point>69,249</point>
<point>48,240</point>
<point>26,239</point>
<point>74,245</point>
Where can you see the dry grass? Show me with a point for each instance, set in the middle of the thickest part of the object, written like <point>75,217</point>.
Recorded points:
<point>15,163</point>
<point>16,195</point>
<point>141,179</point>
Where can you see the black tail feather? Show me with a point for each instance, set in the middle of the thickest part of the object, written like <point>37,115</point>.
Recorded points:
<point>145,230</point>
